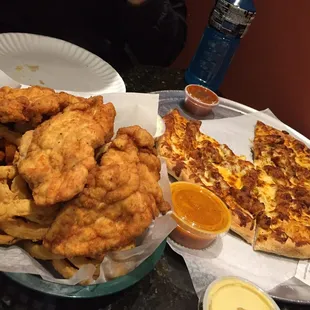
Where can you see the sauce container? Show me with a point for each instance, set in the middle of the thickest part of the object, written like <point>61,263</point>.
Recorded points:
<point>199,100</point>
<point>160,127</point>
<point>201,215</point>
<point>231,293</point>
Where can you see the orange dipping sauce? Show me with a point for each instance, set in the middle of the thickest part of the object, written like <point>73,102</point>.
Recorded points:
<point>200,214</point>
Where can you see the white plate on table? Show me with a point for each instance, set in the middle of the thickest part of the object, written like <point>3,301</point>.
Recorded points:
<point>38,60</point>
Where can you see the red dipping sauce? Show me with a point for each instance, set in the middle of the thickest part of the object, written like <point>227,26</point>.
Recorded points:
<point>200,100</point>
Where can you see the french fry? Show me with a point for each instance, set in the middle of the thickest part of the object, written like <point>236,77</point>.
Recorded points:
<point>123,248</point>
<point>5,194</point>
<point>118,270</point>
<point>7,172</point>
<point>80,261</point>
<point>38,251</point>
<point>129,246</point>
<point>45,220</point>
<point>43,216</point>
<point>63,267</point>
<point>24,207</point>
<point>20,229</point>
<point>7,240</point>
<point>10,136</point>
<point>20,188</point>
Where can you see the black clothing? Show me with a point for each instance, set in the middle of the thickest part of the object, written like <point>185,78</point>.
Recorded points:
<point>122,34</point>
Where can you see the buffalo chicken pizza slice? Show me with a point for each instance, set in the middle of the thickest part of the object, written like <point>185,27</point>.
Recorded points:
<point>195,157</point>
<point>285,157</point>
<point>284,228</point>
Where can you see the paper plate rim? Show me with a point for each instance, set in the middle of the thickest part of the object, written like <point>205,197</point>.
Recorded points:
<point>93,58</point>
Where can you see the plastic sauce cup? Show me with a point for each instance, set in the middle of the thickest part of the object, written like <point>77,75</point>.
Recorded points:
<point>200,100</point>
<point>201,215</point>
<point>230,293</point>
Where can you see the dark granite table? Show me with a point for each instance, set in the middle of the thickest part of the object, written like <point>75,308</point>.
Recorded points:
<point>167,287</point>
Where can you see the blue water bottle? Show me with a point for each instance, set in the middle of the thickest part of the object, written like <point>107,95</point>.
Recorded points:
<point>228,23</point>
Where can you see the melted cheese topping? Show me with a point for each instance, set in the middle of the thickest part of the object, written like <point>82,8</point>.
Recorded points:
<point>303,161</point>
<point>201,138</point>
<point>267,191</point>
<point>206,183</point>
<point>231,178</point>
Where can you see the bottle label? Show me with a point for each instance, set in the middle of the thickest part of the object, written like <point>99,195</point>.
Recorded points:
<point>230,19</point>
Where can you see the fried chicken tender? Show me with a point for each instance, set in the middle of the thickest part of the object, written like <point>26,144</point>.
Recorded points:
<point>56,157</point>
<point>118,203</point>
<point>33,104</point>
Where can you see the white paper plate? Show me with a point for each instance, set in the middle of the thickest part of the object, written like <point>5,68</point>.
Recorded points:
<point>38,60</point>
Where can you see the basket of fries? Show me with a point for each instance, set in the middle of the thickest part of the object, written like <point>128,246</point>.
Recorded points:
<point>78,207</point>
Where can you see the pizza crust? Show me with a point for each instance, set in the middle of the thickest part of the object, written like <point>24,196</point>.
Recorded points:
<point>273,155</point>
<point>242,223</point>
<point>271,245</point>
<point>186,174</point>
<point>245,233</point>
<point>161,146</point>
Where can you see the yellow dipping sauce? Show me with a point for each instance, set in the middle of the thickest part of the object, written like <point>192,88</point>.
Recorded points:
<point>200,215</point>
<point>236,294</point>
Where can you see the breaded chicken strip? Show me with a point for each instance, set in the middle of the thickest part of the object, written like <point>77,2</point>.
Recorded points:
<point>119,202</point>
<point>33,104</point>
<point>56,157</point>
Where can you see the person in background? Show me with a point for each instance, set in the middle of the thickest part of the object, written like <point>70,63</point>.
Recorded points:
<point>122,32</point>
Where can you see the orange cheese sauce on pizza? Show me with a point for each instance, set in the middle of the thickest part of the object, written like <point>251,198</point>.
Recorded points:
<point>231,178</point>
<point>199,208</point>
